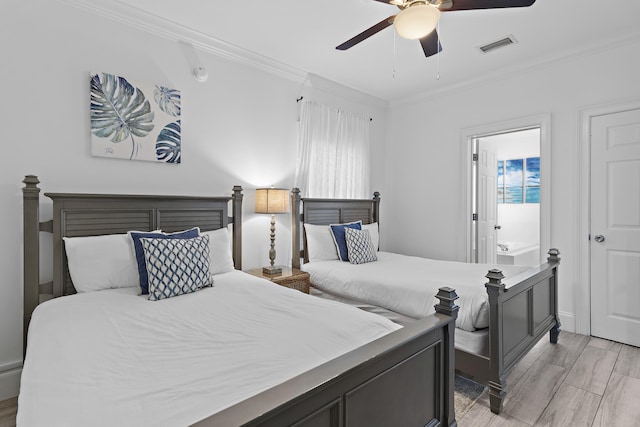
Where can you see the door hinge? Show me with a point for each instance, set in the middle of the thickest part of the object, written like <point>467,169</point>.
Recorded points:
<point>475,157</point>
<point>474,217</point>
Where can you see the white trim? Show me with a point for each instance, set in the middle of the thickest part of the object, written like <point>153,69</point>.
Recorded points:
<point>567,322</point>
<point>335,88</point>
<point>162,27</point>
<point>617,40</point>
<point>165,28</point>
<point>10,379</point>
<point>583,286</point>
<point>543,121</point>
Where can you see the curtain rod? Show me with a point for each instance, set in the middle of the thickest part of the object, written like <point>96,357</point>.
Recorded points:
<point>302,97</point>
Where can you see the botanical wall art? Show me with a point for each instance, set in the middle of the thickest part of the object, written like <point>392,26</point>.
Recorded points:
<point>519,180</point>
<point>134,121</point>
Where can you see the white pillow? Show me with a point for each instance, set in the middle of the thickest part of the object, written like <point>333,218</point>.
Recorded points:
<point>101,262</point>
<point>375,234</point>
<point>320,244</point>
<point>221,256</point>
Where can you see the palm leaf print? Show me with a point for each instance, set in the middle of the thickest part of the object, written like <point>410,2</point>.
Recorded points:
<point>168,145</point>
<point>119,110</point>
<point>168,100</point>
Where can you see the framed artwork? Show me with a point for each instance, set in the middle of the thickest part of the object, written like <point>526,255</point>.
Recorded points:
<point>500,181</point>
<point>519,180</point>
<point>134,121</point>
<point>532,180</point>
<point>513,190</point>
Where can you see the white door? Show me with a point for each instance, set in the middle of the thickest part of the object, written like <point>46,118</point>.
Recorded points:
<point>487,203</point>
<point>615,226</point>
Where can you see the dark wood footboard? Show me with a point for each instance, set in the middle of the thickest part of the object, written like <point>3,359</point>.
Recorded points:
<point>523,309</point>
<point>402,379</point>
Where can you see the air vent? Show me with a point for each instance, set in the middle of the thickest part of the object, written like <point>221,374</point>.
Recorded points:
<point>506,41</point>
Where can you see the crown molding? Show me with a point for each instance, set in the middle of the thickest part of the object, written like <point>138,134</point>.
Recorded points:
<point>618,40</point>
<point>338,89</point>
<point>162,27</point>
<point>137,18</point>
<point>142,20</point>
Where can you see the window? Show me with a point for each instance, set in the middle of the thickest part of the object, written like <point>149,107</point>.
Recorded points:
<point>333,153</point>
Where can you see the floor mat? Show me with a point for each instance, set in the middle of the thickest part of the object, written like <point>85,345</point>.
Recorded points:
<point>466,394</point>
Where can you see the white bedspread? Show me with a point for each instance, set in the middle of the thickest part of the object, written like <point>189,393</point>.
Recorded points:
<point>408,285</point>
<point>113,358</point>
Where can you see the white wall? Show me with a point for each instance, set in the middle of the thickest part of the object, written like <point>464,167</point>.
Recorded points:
<point>424,166</point>
<point>238,128</point>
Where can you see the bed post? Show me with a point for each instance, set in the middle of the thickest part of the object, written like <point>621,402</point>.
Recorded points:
<point>554,258</point>
<point>497,381</point>
<point>237,226</point>
<point>31,247</point>
<point>376,207</point>
<point>446,306</point>
<point>295,228</point>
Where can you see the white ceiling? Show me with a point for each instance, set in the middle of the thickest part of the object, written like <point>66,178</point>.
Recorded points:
<point>302,35</point>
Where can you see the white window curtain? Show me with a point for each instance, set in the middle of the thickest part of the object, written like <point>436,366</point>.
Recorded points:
<point>333,153</point>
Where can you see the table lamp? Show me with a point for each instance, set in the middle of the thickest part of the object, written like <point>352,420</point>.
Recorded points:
<point>272,201</point>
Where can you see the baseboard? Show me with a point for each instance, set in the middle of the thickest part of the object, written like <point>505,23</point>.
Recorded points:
<point>10,379</point>
<point>567,321</point>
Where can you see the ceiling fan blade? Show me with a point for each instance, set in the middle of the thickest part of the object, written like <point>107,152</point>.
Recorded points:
<point>486,4</point>
<point>431,44</point>
<point>366,33</point>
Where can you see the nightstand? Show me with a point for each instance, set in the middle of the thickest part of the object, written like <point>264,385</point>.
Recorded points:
<point>291,278</point>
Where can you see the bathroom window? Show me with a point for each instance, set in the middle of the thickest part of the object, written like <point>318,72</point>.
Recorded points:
<point>519,180</point>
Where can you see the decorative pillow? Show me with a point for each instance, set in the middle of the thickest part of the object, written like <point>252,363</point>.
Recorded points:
<point>338,230</point>
<point>139,252</point>
<point>360,247</point>
<point>375,234</point>
<point>101,262</point>
<point>176,266</point>
<point>320,244</point>
<point>220,251</point>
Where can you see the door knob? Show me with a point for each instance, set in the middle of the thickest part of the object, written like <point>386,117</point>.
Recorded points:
<point>497,227</point>
<point>599,238</point>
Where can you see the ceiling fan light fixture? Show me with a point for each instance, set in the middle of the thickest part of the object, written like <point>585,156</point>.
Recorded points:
<point>416,21</point>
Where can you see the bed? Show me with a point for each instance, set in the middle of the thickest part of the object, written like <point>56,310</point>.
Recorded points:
<point>515,311</point>
<point>221,355</point>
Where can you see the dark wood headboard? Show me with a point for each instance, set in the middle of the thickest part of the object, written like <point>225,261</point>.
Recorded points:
<point>77,215</point>
<point>325,212</point>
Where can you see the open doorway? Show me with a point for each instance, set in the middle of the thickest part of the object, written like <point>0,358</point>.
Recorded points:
<point>507,175</point>
<point>507,197</point>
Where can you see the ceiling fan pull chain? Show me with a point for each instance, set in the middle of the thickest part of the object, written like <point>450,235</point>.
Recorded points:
<point>393,74</point>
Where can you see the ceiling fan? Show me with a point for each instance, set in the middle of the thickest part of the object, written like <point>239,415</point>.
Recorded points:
<point>418,19</point>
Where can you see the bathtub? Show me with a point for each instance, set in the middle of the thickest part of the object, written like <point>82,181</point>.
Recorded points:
<point>518,254</point>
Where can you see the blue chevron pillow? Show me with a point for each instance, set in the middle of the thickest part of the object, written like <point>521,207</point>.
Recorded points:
<point>360,246</point>
<point>176,266</point>
<point>137,247</point>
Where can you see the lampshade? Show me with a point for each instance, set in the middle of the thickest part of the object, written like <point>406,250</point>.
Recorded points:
<point>416,21</point>
<point>272,200</point>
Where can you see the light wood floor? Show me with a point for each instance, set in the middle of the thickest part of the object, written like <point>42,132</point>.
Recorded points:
<point>8,410</point>
<point>581,381</point>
